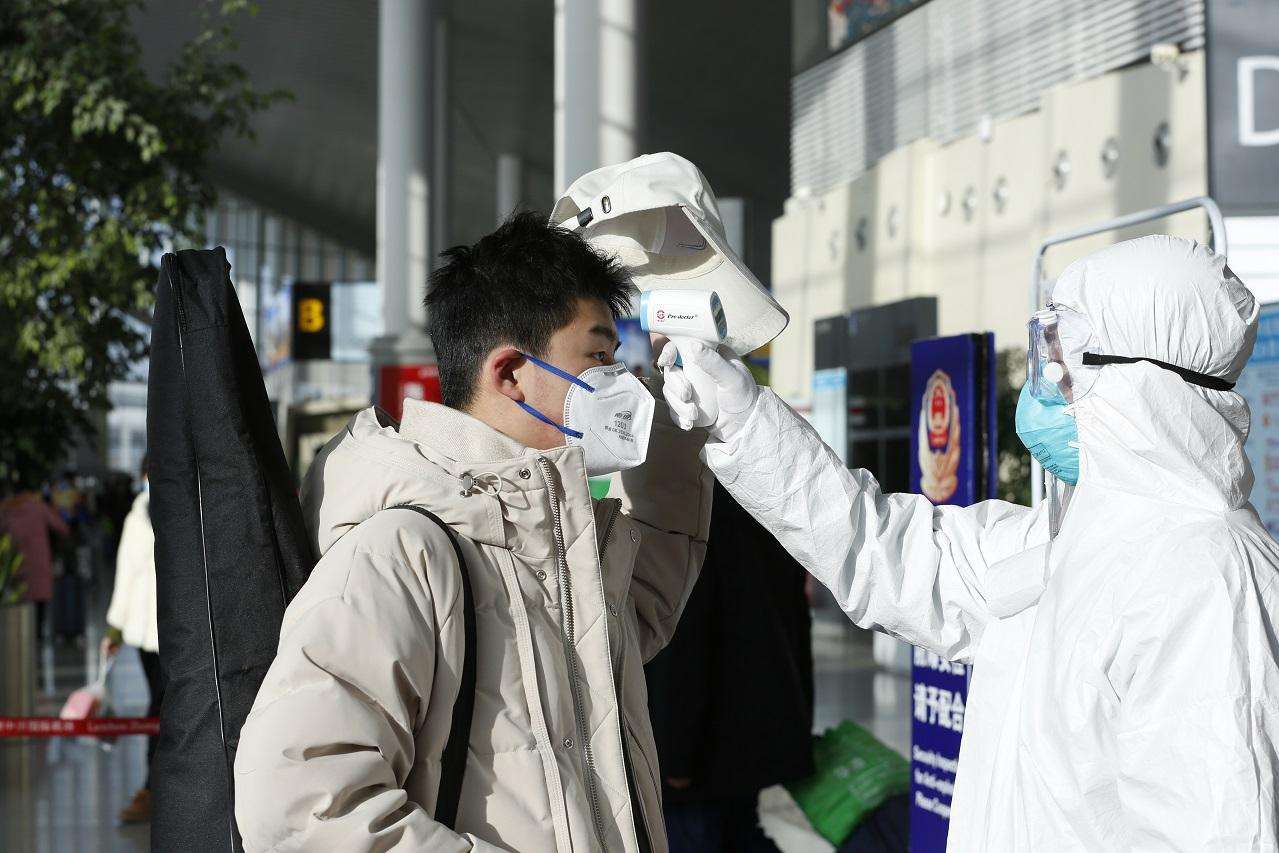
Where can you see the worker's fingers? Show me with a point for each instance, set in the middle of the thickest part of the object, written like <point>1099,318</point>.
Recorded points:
<point>667,357</point>
<point>680,398</point>
<point>675,384</point>
<point>697,353</point>
<point>683,415</point>
<point>725,373</point>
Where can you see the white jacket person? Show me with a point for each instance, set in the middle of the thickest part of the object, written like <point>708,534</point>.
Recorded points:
<point>132,611</point>
<point>1125,677</point>
<point>342,748</point>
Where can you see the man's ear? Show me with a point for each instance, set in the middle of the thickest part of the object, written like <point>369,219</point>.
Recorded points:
<point>499,372</point>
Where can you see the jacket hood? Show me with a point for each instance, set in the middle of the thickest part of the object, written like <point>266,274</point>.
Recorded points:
<point>437,457</point>
<point>1143,429</point>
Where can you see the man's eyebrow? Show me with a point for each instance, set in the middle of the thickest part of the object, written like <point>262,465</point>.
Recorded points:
<point>605,332</point>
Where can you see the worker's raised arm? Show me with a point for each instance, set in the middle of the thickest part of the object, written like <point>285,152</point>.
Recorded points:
<point>895,562</point>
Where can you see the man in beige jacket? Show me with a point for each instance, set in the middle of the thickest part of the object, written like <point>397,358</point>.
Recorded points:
<point>342,749</point>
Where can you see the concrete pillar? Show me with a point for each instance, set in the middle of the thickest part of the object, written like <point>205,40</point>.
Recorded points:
<point>597,54</point>
<point>510,185</point>
<point>406,75</point>
<point>441,239</point>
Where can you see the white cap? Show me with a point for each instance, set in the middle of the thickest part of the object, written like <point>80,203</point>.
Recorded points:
<point>659,217</point>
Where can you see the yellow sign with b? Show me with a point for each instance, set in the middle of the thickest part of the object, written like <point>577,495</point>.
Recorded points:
<point>311,317</point>
<point>312,323</point>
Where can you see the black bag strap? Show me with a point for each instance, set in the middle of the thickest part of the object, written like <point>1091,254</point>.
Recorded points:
<point>453,760</point>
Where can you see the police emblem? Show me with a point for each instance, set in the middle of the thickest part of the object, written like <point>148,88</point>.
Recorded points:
<point>939,446</point>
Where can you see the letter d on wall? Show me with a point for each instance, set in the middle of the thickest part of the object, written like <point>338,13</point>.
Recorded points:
<point>1242,56</point>
<point>1248,68</point>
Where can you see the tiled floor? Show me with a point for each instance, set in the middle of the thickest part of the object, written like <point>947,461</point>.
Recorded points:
<point>849,685</point>
<point>64,795</point>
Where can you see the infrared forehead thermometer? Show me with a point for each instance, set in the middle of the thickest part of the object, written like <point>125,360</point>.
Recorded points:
<point>683,315</point>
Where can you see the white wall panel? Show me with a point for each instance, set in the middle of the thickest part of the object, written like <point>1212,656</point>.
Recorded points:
<point>938,70</point>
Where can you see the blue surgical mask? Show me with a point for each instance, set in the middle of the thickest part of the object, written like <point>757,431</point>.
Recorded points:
<point>1050,434</point>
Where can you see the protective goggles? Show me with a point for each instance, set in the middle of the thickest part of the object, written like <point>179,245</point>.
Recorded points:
<point>1055,369</point>
<point>1063,361</point>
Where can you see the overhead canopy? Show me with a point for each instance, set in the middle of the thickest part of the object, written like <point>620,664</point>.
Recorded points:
<point>315,157</point>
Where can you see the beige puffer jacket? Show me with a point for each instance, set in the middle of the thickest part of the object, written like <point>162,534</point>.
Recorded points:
<point>342,748</point>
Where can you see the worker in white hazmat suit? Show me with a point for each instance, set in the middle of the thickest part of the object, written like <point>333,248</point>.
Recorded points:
<point>1125,691</point>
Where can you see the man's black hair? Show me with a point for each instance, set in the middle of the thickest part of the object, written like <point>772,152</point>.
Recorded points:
<point>517,286</point>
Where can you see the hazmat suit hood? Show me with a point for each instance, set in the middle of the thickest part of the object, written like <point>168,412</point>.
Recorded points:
<point>1143,429</point>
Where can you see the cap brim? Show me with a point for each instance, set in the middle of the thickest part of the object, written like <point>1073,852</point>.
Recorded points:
<point>754,317</point>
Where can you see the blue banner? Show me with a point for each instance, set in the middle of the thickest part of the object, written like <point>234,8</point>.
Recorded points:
<point>938,700</point>
<point>953,419</point>
<point>1259,385</point>
<point>954,462</point>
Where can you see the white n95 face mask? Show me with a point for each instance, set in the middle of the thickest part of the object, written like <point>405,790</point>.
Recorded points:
<point>607,412</point>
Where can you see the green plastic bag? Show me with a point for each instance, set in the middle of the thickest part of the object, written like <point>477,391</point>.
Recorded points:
<point>855,775</point>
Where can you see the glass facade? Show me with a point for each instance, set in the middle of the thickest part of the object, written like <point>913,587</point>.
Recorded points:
<point>267,252</point>
<point>267,249</point>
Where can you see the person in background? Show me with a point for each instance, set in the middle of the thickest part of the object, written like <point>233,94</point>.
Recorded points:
<point>114,504</point>
<point>731,697</point>
<point>131,619</point>
<point>73,563</point>
<point>31,523</point>
<point>65,496</point>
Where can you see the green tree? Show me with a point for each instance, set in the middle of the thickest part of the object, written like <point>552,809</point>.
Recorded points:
<point>102,167</point>
<point>1014,459</point>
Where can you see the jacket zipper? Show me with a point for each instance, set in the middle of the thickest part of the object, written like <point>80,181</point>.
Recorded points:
<point>570,651</point>
<point>608,528</point>
<point>642,837</point>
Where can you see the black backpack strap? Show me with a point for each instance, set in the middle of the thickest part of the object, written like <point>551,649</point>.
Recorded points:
<point>453,760</point>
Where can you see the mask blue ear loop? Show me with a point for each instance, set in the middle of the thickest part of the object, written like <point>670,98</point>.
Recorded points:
<point>571,433</point>
<point>560,373</point>
<point>550,368</point>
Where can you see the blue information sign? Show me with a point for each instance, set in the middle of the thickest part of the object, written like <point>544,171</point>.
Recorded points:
<point>939,697</point>
<point>954,462</point>
<point>1259,385</point>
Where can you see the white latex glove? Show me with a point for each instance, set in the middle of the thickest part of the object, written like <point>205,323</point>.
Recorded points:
<point>735,388</point>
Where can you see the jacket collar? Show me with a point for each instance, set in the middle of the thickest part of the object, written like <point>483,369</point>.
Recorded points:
<point>456,434</point>
<point>483,484</point>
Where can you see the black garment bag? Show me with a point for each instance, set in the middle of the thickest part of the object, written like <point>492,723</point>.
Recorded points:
<point>230,547</point>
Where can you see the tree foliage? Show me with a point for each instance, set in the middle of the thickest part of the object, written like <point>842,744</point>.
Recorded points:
<point>103,166</point>
<point>1014,459</point>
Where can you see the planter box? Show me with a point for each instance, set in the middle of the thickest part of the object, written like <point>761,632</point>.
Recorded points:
<point>17,659</point>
